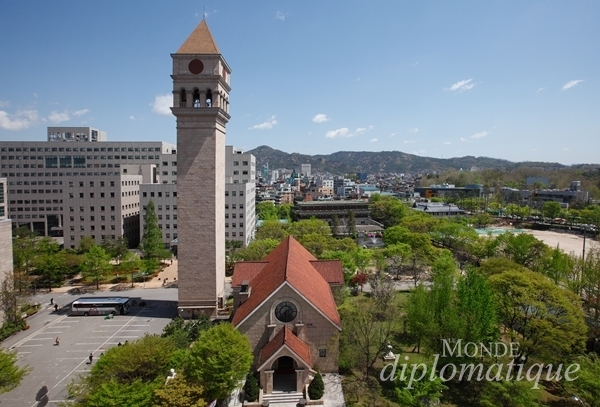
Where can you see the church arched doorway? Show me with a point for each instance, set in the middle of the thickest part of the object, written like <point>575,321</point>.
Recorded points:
<point>284,375</point>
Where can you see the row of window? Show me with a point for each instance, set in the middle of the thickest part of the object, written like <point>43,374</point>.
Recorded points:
<point>92,218</point>
<point>233,225</point>
<point>233,215</point>
<point>167,207</point>
<point>79,160</point>
<point>159,194</point>
<point>92,227</point>
<point>34,201</point>
<point>26,149</point>
<point>236,163</point>
<point>241,234</point>
<point>92,208</point>
<point>35,191</point>
<point>58,174</point>
<point>35,208</point>
<point>234,193</point>
<point>167,217</point>
<point>236,172</point>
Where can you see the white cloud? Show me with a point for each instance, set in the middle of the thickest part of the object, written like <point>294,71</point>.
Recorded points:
<point>56,117</point>
<point>566,149</point>
<point>280,15</point>
<point>392,135</point>
<point>447,142</point>
<point>409,141</point>
<point>132,118</point>
<point>571,84</point>
<point>79,113</point>
<point>4,103</point>
<point>465,84</point>
<point>373,140</point>
<point>481,134</point>
<point>320,118</point>
<point>345,132</point>
<point>540,89</point>
<point>463,139</point>
<point>60,117</point>
<point>414,130</point>
<point>265,125</point>
<point>21,120</point>
<point>162,104</point>
<point>338,133</point>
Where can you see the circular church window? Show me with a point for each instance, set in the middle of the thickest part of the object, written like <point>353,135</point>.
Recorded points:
<point>286,311</point>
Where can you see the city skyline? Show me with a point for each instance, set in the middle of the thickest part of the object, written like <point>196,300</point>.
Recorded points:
<point>512,81</point>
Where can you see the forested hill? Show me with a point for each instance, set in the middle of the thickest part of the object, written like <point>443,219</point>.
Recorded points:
<point>343,162</point>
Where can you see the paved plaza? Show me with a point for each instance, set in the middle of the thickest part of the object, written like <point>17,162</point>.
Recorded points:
<point>53,367</point>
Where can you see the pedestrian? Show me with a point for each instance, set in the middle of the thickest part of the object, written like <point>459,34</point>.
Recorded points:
<point>55,307</point>
<point>51,301</point>
<point>119,344</point>
<point>91,357</point>
<point>57,341</point>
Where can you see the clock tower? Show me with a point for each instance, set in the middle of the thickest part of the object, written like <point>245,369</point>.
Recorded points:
<point>201,106</point>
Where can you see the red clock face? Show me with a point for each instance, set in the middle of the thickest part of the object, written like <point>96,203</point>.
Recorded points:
<point>196,66</point>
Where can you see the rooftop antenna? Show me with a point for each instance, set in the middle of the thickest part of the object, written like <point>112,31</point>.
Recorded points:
<point>204,12</point>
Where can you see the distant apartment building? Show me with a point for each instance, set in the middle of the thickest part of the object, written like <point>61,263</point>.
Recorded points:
<point>537,197</point>
<point>325,210</point>
<point>6,253</point>
<point>305,169</point>
<point>450,191</point>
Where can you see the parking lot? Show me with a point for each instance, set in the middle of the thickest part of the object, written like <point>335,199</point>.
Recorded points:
<point>54,367</point>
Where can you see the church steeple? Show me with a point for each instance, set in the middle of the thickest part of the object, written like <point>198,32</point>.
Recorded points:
<point>200,41</point>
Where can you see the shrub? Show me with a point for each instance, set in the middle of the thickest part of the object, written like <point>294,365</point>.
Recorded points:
<point>7,330</point>
<point>251,388</point>
<point>316,388</point>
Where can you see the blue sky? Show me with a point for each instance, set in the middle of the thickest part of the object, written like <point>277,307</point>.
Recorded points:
<point>509,79</point>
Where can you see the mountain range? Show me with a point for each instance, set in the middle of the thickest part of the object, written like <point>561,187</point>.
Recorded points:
<point>348,162</point>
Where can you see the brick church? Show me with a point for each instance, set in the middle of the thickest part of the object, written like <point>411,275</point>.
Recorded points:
<point>284,304</point>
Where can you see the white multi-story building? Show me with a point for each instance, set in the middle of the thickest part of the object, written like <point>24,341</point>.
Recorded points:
<point>305,170</point>
<point>240,191</point>
<point>78,184</point>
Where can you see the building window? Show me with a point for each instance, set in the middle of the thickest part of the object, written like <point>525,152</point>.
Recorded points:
<point>322,352</point>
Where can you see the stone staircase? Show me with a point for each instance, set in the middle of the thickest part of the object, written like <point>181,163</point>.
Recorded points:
<point>283,398</point>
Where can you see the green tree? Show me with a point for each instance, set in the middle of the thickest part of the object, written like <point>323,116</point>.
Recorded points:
<point>130,264</point>
<point>272,229</point>
<point>351,224</point>
<point>545,319</point>
<point>251,388</point>
<point>476,308</point>
<point>316,388</point>
<point>587,385</point>
<point>24,255</point>
<point>50,261</point>
<point>419,316</point>
<point>118,394</point>
<point>511,393</point>
<point>85,244</point>
<point>335,225</point>
<point>152,245</point>
<point>115,248</point>
<point>219,360</point>
<point>10,373</point>
<point>551,209</point>
<point>266,211</point>
<point>179,393</point>
<point>387,209</point>
<point>309,227</point>
<point>422,392</point>
<point>95,264</point>
<point>523,249</point>
<point>365,334</point>
<point>258,249</point>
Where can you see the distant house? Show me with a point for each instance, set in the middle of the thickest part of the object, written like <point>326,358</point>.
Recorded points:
<point>438,208</point>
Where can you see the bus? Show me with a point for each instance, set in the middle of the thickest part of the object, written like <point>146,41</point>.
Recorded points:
<point>101,306</point>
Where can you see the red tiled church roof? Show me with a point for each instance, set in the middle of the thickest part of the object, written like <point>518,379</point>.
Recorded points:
<point>289,262</point>
<point>286,337</point>
<point>246,271</point>
<point>331,270</point>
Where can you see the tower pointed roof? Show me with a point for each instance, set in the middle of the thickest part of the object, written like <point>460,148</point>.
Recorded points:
<point>200,41</point>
